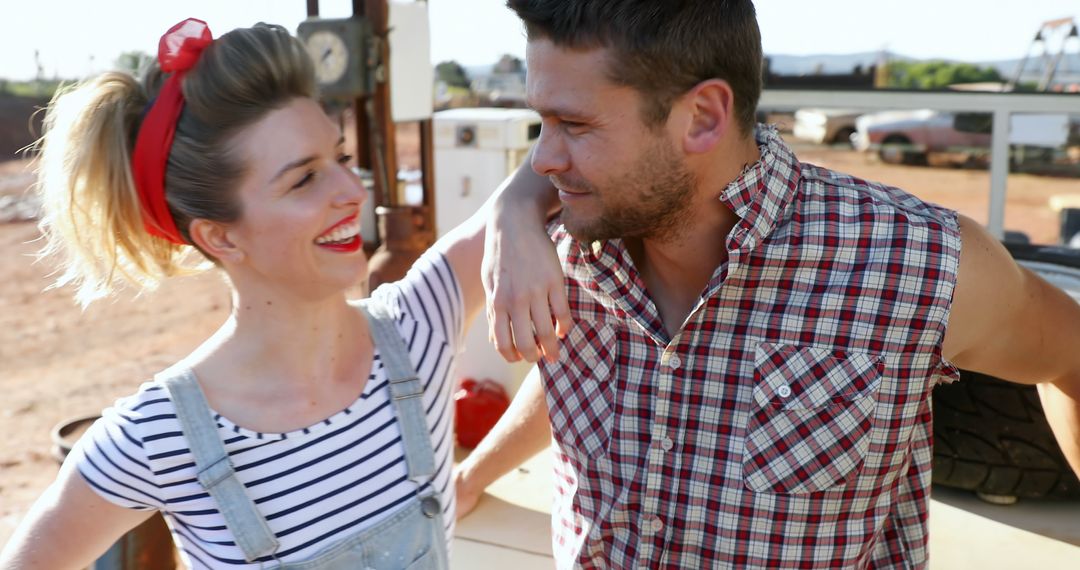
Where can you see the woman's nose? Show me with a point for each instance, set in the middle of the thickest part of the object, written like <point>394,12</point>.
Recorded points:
<point>350,187</point>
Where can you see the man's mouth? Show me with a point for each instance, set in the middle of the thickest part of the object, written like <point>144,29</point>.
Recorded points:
<point>565,188</point>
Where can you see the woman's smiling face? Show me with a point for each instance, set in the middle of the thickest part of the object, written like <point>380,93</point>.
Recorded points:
<point>300,202</point>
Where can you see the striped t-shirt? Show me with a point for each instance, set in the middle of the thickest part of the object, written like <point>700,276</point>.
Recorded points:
<point>316,485</point>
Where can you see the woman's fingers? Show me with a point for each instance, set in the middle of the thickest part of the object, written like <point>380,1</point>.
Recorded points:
<point>521,324</point>
<point>499,333</point>
<point>544,330</point>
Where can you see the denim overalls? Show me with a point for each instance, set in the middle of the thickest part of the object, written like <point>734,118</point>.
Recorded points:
<point>413,538</point>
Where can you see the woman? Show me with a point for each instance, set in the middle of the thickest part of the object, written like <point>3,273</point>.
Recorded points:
<point>308,431</point>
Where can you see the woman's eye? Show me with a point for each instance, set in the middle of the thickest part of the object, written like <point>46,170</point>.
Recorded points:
<point>345,159</point>
<point>308,177</point>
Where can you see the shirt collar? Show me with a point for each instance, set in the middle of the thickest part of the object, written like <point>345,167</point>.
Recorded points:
<point>758,197</point>
<point>760,194</point>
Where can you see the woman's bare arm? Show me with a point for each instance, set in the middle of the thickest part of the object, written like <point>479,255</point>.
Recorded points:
<point>69,526</point>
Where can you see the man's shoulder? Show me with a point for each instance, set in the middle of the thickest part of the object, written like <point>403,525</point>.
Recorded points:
<point>842,190</point>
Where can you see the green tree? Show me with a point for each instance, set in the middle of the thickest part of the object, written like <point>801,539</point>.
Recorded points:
<point>133,62</point>
<point>451,73</point>
<point>937,74</point>
<point>509,64</point>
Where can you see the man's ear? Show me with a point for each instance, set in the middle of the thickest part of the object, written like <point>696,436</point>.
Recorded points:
<point>711,105</point>
<point>213,238</point>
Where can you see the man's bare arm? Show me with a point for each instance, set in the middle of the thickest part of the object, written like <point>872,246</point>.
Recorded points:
<point>1008,322</point>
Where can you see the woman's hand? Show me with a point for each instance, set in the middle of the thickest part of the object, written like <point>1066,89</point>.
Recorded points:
<point>523,280</point>
<point>526,294</point>
<point>467,495</point>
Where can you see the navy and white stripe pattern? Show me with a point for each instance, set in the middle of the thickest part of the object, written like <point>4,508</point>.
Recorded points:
<point>316,485</point>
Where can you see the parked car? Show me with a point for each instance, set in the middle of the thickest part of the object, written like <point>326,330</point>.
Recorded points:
<point>907,137</point>
<point>910,137</point>
<point>825,126</point>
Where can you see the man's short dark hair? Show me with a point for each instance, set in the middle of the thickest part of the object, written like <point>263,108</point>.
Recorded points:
<point>662,48</point>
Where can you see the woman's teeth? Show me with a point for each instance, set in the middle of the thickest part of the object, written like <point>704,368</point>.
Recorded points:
<point>340,234</point>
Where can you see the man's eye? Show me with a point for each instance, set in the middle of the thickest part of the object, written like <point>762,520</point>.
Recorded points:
<point>345,159</point>
<point>574,127</point>
<point>308,177</point>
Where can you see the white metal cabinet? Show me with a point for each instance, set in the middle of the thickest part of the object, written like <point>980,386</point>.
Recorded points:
<point>475,150</point>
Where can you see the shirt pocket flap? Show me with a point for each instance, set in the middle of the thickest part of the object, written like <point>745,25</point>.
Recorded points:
<point>790,377</point>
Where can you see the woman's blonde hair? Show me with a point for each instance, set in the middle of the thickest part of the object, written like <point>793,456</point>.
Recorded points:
<point>91,215</point>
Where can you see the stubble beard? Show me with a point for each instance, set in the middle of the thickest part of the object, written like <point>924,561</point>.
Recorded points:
<point>654,201</point>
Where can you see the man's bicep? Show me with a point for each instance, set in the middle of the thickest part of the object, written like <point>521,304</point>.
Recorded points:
<point>1005,320</point>
<point>986,298</point>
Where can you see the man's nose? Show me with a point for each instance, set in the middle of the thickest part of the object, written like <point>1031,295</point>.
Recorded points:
<point>550,155</point>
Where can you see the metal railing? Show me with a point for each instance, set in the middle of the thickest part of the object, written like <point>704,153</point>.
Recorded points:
<point>1000,105</point>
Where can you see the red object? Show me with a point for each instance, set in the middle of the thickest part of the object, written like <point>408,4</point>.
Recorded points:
<point>178,51</point>
<point>479,405</point>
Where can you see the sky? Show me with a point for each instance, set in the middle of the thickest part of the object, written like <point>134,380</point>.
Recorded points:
<point>75,38</point>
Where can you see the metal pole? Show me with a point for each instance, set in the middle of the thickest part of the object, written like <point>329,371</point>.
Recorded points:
<point>382,125</point>
<point>364,155</point>
<point>999,172</point>
<point>427,168</point>
<point>405,231</point>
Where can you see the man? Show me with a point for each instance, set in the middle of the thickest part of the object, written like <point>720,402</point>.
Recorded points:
<point>746,379</point>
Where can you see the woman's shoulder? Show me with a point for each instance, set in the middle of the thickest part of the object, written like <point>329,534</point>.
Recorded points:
<point>117,454</point>
<point>136,415</point>
<point>427,294</point>
<point>151,398</point>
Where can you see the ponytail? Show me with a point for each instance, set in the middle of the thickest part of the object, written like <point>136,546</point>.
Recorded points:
<point>92,222</point>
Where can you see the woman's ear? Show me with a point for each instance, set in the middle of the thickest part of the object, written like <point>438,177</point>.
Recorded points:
<point>712,111</point>
<point>213,238</point>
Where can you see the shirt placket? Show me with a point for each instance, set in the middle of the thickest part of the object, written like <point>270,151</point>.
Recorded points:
<point>655,523</point>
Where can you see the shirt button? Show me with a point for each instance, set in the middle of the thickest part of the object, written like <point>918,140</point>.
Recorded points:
<point>653,524</point>
<point>674,362</point>
<point>667,444</point>
<point>783,391</point>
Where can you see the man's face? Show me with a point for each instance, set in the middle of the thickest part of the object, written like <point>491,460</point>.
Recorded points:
<point>617,177</point>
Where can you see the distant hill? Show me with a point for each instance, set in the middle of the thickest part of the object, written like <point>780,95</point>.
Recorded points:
<point>1068,69</point>
<point>844,63</point>
<point>824,63</point>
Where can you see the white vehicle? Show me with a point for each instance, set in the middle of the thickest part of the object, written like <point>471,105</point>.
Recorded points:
<point>825,126</point>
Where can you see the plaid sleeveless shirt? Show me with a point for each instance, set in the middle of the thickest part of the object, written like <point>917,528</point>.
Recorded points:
<point>788,423</point>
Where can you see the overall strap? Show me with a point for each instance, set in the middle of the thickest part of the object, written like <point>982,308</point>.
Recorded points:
<point>215,471</point>
<point>406,390</point>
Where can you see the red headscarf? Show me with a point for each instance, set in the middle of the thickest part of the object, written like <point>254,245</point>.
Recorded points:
<point>178,51</point>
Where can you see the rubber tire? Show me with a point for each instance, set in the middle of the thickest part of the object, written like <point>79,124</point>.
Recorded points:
<point>991,436</point>
<point>843,138</point>
<point>910,158</point>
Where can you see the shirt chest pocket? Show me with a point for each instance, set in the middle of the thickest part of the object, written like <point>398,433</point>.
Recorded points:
<point>810,418</point>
